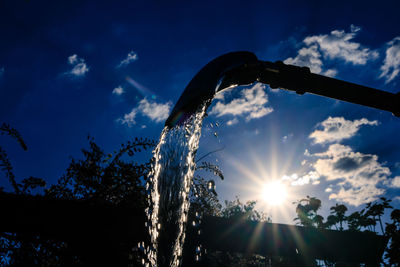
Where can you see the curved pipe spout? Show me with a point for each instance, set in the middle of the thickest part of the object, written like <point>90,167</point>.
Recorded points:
<point>243,68</point>
<point>202,87</point>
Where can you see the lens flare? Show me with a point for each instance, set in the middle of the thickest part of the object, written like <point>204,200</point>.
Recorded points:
<point>141,89</point>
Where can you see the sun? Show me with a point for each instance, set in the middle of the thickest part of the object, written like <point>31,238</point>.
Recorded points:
<point>274,193</point>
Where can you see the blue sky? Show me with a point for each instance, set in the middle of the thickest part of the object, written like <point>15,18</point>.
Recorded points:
<point>115,70</point>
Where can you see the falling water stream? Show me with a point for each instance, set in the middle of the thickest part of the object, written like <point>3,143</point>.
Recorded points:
<point>173,163</point>
<point>168,186</point>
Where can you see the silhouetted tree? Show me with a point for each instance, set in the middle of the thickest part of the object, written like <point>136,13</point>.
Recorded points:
<point>6,166</point>
<point>112,178</point>
<point>203,194</point>
<point>355,221</point>
<point>243,211</point>
<point>106,177</point>
<point>306,211</point>
<point>393,233</point>
<point>363,220</point>
<point>240,211</point>
<point>377,209</point>
<point>338,211</point>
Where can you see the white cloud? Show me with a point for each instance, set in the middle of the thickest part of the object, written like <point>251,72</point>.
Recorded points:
<point>296,180</point>
<point>335,129</point>
<point>286,138</point>
<point>79,66</point>
<point>156,112</point>
<point>357,196</point>
<point>252,103</point>
<point>355,178</point>
<point>129,118</point>
<point>80,69</point>
<point>131,57</point>
<point>357,175</point>
<point>118,90</point>
<point>294,176</point>
<point>330,73</point>
<point>309,57</point>
<point>395,182</point>
<point>336,45</point>
<point>232,122</point>
<point>391,65</point>
<point>73,59</point>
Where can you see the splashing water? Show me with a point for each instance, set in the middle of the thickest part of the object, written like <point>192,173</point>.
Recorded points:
<point>168,186</point>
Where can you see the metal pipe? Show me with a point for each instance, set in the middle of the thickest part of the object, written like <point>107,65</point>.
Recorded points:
<point>243,68</point>
<point>301,80</point>
<point>202,87</point>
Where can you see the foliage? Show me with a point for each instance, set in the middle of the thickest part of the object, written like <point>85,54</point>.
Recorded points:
<point>239,211</point>
<point>6,129</point>
<point>363,220</point>
<point>243,211</point>
<point>27,184</point>
<point>100,177</point>
<point>203,197</point>
<point>105,177</point>
<point>393,232</point>
<point>5,163</point>
<point>375,211</point>
<point>112,178</point>
<point>306,211</point>
<point>229,259</point>
<point>337,216</point>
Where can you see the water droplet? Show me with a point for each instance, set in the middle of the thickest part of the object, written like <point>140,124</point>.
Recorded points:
<point>211,185</point>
